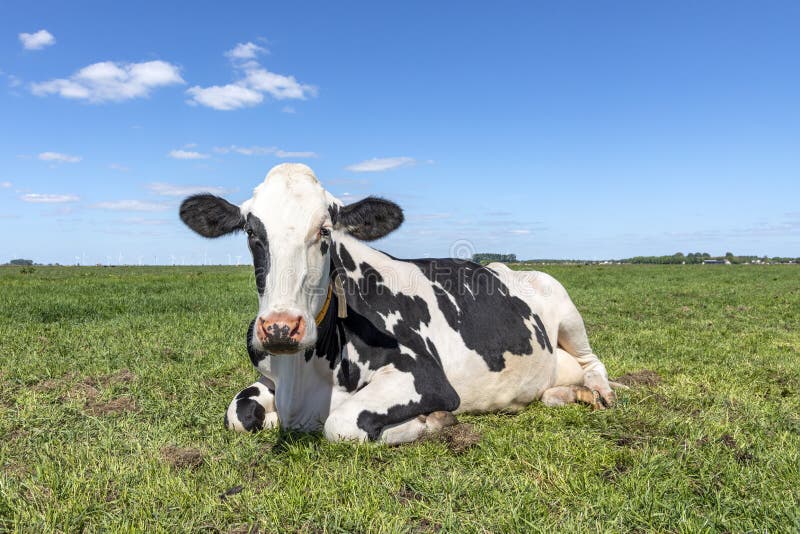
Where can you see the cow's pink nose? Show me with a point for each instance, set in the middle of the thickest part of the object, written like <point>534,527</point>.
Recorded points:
<point>281,328</point>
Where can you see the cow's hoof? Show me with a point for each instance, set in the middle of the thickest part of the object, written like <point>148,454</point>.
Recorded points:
<point>607,397</point>
<point>588,396</point>
<point>436,421</point>
<point>604,396</point>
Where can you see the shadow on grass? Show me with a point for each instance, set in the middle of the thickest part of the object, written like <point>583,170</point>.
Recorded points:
<point>291,438</point>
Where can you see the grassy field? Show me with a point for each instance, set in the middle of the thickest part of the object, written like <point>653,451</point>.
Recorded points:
<point>113,383</point>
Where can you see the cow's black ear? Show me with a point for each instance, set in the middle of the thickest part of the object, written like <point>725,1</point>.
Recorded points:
<point>370,219</point>
<point>211,216</point>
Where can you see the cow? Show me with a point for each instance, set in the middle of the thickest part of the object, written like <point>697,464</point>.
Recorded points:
<point>365,346</point>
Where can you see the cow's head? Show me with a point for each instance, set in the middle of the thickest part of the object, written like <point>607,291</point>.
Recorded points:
<point>290,224</point>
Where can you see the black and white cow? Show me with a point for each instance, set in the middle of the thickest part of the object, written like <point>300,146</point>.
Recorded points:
<point>365,346</point>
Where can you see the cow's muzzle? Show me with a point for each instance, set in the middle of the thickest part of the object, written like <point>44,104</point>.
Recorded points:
<point>281,332</point>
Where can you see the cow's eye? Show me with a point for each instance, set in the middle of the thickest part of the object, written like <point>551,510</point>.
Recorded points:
<point>324,232</point>
<point>250,232</point>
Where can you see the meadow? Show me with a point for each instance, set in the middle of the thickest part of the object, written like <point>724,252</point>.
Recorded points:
<point>113,383</point>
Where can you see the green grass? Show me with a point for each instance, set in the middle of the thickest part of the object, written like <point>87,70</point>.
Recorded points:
<point>102,369</point>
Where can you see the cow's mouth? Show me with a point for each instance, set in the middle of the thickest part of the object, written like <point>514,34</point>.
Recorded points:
<point>282,347</point>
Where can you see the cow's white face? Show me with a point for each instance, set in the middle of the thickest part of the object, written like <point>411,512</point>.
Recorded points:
<point>290,223</point>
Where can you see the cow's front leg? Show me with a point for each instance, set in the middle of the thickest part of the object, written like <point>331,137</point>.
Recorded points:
<point>339,428</point>
<point>390,410</point>
<point>253,408</point>
<point>573,339</point>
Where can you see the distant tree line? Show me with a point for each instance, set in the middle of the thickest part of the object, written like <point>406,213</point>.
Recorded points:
<point>700,257</point>
<point>678,258</point>
<point>488,257</point>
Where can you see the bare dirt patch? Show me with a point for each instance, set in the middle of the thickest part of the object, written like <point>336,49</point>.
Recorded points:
<point>87,386</point>
<point>46,386</point>
<point>115,406</point>
<point>182,458</point>
<point>89,391</point>
<point>407,494</point>
<point>123,376</point>
<point>458,438</point>
<point>645,377</point>
<point>85,389</point>
<point>426,525</point>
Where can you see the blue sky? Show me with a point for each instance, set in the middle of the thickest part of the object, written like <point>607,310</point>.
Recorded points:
<point>550,130</point>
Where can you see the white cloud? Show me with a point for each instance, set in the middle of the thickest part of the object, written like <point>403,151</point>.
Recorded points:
<point>224,97</point>
<point>175,190</point>
<point>13,81</point>
<point>36,40</point>
<point>263,150</point>
<point>300,155</point>
<point>187,154</point>
<point>355,182</point>
<point>381,164</point>
<point>278,86</point>
<point>245,51</point>
<point>41,198</point>
<point>288,109</point>
<point>139,221</point>
<point>432,216</point>
<point>245,150</point>
<point>520,232</point>
<point>6,185</point>
<point>58,157</point>
<point>118,167</point>
<point>131,205</point>
<point>109,81</point>
<point>254,82</point>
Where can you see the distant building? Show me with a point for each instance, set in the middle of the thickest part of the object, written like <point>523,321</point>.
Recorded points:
<point>716,262</point>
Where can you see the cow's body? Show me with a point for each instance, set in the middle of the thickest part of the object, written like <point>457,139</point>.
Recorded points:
<point>420,339</point>
<point>423,336</point>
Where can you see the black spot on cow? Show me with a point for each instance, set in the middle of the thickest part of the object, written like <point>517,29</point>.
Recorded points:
<point>333,211</point>
<point>477,305</point>
<point>348,375</point>
<point>323,246</point>
<point>541,334</point>
<point>248,392</point>
<point>346,259</point>
<point>250,413</point>
<point>255,355</point>
<point>330,336</point>
<point>259,248</point>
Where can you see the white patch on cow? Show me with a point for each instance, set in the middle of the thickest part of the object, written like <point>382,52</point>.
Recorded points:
<point>449,296</point>
<point>391,320</point>
<point>304,391</point>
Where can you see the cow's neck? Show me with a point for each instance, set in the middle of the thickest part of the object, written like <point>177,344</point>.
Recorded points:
<point>330,334</point>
